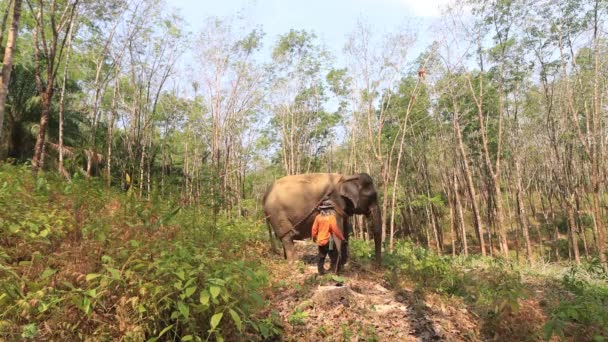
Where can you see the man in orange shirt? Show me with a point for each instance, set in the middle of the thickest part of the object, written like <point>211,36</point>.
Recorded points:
<point>323,228</point>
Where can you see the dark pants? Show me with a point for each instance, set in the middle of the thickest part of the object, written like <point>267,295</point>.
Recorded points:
<point>323,252</point>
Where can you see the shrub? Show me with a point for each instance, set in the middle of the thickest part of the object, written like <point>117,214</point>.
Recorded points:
<point>585,307</point>
<point>490,284</point>
<point>80,261</point>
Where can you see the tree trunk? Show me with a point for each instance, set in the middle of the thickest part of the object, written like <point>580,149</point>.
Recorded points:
<point>62,101</point>
<point>572,234</point>
<point>436,232</point>
<point>493,170</point>
<point>148,171</point>
<point>517,231</point>
<point>579,224</point>
<point>428,226</point>
<point>460,214</point>
<point>598,230</point>
<point>7,11</point>
<point>44,121</point>
<point>470,187</point>
<point>489,215</point>
<point>112,116</point>
<point>452,220</point>
<point>521,211</point>
<point>142,167</point>
<point>555,229</point>
<point>7,63</point>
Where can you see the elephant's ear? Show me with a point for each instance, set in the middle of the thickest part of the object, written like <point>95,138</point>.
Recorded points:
<point>349,188</point>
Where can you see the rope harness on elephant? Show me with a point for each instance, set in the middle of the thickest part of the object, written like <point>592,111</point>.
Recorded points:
<point>337,208</point>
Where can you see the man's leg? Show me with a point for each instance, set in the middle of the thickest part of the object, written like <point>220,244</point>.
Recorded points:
<point>321,258</point>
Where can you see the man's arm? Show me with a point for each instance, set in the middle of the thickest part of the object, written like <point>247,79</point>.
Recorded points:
<point>315,229</point>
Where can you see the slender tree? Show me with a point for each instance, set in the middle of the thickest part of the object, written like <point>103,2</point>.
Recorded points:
<point>7,63</point>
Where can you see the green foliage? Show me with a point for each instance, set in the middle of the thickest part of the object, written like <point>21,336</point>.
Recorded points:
<point>72,252</point>
<point>298,317</point>
<point>585,305</point>
<point>492,286</point>
<point>268,327</point>
<point>41,223</point>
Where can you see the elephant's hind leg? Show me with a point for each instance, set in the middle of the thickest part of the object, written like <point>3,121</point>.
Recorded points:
<point>286,230</point>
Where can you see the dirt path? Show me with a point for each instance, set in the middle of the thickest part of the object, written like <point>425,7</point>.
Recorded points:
<point>357,306</point>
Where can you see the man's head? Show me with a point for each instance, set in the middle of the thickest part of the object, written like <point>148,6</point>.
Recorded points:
<point>326,207</point>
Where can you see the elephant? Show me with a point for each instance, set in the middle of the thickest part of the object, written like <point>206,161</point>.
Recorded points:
<point>290,206</point>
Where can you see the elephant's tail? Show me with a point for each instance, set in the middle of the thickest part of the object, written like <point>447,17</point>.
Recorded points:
<point>273,247</point>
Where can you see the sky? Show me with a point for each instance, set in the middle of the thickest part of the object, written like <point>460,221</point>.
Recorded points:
<point>331,20</point>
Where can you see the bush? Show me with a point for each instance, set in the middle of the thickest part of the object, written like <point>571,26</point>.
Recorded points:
<point>584,309</point>
<point>490,284</point>
<point>81,261</point>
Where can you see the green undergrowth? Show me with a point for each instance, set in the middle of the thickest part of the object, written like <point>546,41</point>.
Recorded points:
<point>80,261</point>
<point>574,306</point>
<point>491,285</point>
<point>582,309</point>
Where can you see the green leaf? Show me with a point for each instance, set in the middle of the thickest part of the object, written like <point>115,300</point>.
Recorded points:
<point>264,330</point>
<point>91,293</point>
<point>180,274</point>
<point>86,305</point>
<point>47,273</point>
<point>14,228</point>
<point>187,338</point>
<point>237,319</point>
<point>215,320</point>
<point>189,291</point>
<point>338,279</point>
<point>215,291</point>
<point>44,233</point>
<point>162,332</point>
<point>114,272</point>
<point>183,309</point>
<point>92,276</point>
<point>204,298</point>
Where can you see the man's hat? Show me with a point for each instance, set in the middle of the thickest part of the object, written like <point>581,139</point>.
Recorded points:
<point>326,205</point>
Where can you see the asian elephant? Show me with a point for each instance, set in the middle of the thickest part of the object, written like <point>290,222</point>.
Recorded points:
<point>290,206</point>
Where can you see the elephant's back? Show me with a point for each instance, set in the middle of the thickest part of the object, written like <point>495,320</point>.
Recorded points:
<point>306,179</point>
<point>299,191</point>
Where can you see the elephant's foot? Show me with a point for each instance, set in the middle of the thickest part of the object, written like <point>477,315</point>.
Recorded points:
<point>290,256</point>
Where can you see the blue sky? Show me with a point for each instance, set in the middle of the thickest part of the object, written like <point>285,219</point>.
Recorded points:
<point>331,20</point>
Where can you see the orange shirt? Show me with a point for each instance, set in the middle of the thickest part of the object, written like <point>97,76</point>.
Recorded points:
<point>323,227</point>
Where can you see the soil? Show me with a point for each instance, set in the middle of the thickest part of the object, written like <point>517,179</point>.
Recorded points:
<point>358,305</point>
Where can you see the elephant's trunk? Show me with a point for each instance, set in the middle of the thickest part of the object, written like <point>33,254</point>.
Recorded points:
<point>377,227</point>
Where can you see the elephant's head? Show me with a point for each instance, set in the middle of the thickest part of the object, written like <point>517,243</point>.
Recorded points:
<point>361,194</point>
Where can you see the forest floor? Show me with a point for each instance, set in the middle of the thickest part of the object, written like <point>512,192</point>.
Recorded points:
<point>360,305</point>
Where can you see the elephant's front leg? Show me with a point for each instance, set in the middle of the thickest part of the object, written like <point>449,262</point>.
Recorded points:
<point>338,255</point>
<point>346,231</point>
